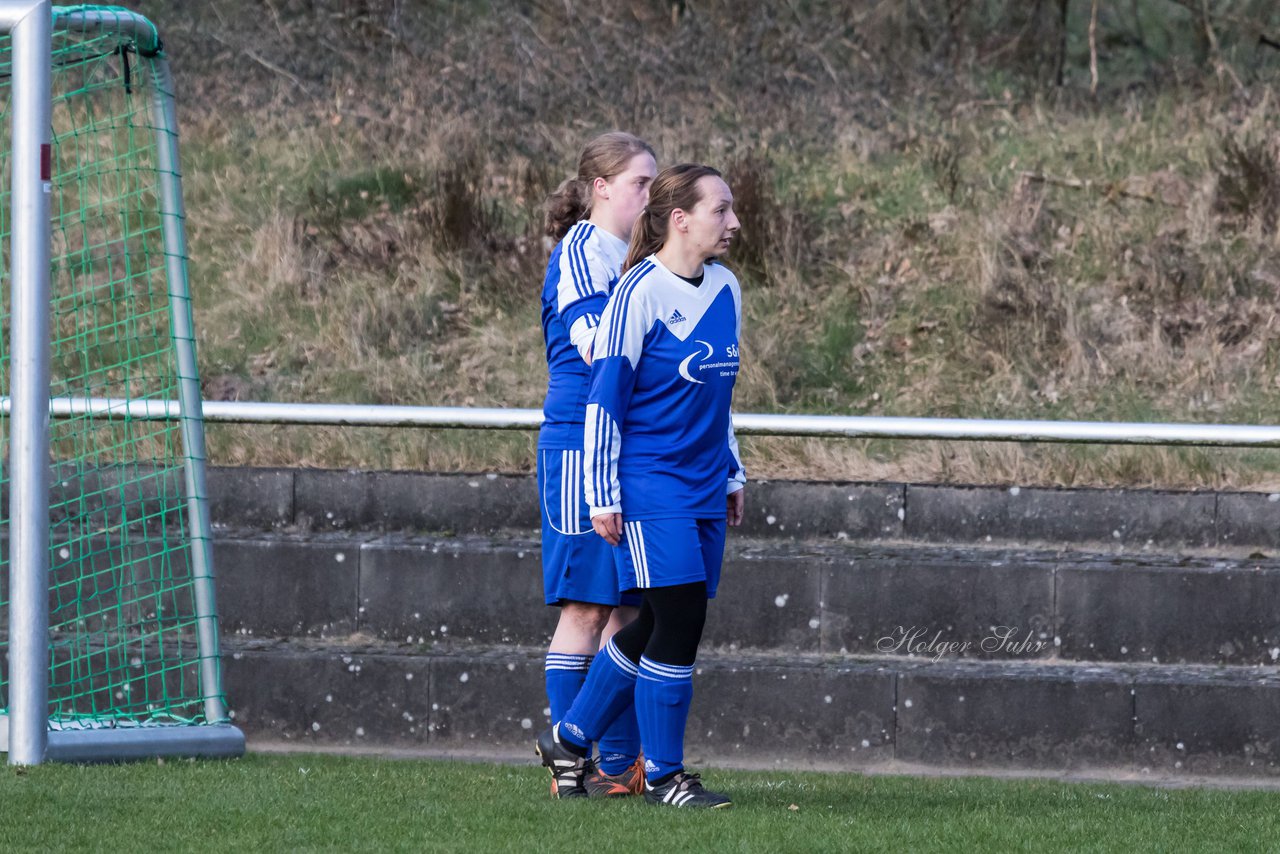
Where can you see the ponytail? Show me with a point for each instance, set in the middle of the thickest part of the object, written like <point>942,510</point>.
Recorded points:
<point>648,235</point>
<point>564,207</point>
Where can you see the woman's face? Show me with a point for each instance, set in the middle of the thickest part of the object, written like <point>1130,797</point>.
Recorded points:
<point>627,193</point>
<point>712,224</point>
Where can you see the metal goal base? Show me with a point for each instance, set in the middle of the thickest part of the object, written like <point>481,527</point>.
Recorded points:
<point>133,743</point>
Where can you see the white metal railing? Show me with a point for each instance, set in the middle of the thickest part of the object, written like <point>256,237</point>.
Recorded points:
<point>745,424</point>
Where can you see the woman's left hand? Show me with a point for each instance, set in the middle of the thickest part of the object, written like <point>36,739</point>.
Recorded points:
<point>609,526</point>
<point>737,502</point>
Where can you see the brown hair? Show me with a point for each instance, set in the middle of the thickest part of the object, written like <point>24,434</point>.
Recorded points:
<point>675,187</point>
<point>603,157</point>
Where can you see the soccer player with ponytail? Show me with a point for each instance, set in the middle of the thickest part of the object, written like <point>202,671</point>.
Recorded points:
<point>662,474</point>
<point>591,216</point>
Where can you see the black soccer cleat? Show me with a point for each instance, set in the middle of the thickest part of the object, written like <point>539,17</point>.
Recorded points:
<point>685,790</point>
<point>568,769</point>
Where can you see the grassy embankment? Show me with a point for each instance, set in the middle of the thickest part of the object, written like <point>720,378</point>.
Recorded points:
<point>363,190</point>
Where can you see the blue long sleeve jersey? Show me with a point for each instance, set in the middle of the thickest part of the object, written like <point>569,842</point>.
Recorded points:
<point>581,274</point>
<point>659,439</point>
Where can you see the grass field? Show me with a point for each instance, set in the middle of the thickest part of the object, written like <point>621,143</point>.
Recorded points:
<point>309,802</point>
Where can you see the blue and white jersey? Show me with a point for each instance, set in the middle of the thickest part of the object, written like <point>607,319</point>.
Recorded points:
<point>583,269</point>
<point>659,440</point>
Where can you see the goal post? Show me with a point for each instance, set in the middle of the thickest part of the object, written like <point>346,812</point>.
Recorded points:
<point>110,643</point>
<point>29,27</point>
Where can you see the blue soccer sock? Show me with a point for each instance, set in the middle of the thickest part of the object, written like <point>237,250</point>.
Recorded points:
<point>620,744</point>
<point>609,689</point>
<point>663,695</point>
<point>565,674</point>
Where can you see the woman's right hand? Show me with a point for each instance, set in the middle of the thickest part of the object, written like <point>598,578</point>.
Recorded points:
<point>609,526</point>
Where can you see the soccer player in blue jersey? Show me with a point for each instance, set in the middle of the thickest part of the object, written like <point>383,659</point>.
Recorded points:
<point>591,216</point>
<point>662,474</point>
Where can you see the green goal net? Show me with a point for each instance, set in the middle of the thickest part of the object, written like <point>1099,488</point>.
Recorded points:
<point>133,641</point>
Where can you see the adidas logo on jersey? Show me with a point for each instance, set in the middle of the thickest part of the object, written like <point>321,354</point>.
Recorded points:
<point>676,317</point>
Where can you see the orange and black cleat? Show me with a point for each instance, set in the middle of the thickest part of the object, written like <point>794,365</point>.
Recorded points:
<point>630,781</point>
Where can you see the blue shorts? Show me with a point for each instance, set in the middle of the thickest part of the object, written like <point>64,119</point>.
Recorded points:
<point>667,552</point>
<point>577,564</point>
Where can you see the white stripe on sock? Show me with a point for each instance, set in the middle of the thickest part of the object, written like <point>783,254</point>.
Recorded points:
<point>668,671</point>
<point>567,661</point>
<point>623,663</point>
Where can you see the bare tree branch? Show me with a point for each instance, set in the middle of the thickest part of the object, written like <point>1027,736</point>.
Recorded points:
<point>1110,189</point>
<point>1093,49</point>
<point>1060,71</point>
<point>1201,10</point>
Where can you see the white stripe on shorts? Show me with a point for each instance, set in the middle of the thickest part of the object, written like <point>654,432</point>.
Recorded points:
<point>639,559</point>
<point>575,482</point>
<point>565,491</point>
<point>644,554</point>
<point>631,547</point>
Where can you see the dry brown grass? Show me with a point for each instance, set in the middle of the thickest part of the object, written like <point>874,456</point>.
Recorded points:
<point>363,225</point>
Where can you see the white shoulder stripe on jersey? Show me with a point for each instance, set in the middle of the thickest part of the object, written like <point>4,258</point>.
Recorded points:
<point>579,273</point>
<point>621,304</point>
<point>577,267</point>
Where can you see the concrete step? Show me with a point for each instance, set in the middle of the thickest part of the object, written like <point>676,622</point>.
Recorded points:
<point>327,500</point>
<point>792,711</point>
<point>833,599</point>
<point>1114,520</point>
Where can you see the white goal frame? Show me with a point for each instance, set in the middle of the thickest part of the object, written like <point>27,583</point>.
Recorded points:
<point>27,734</point>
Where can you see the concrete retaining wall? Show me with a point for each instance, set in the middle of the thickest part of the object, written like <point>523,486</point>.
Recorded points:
<point>321,500</point>
<point>800,598</point>
<point>858,624</point>
<point>314,500</point>
<point>794,711</point>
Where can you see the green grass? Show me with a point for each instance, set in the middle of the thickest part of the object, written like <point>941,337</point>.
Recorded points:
<point>307,802</point>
